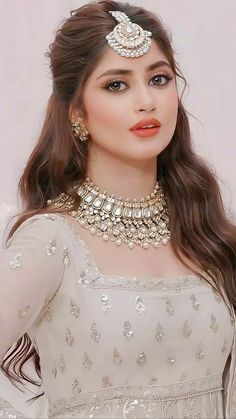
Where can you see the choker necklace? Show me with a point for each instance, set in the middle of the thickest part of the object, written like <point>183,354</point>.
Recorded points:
<point>144,222</point>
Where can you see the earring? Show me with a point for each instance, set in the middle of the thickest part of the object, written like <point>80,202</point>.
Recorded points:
<point>80,131</point>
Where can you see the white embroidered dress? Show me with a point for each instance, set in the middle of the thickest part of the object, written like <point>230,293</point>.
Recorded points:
<point>111,346</point>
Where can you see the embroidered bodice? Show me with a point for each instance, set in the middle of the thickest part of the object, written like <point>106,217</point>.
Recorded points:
<point>112,346</point>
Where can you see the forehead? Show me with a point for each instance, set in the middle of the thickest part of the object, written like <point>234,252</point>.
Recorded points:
<point>112,59</point>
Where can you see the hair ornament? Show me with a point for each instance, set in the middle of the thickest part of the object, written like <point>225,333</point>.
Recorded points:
<point>128,39</point>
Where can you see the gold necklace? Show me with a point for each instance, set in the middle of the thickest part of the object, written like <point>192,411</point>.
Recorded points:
<point>144,222</point>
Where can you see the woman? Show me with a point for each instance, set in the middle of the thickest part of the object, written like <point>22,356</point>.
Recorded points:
<point>124,254</point>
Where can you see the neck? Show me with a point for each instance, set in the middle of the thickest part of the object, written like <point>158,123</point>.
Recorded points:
<point>133,180</point>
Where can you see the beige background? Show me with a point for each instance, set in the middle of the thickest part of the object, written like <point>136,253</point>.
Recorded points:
<point>204,34</point>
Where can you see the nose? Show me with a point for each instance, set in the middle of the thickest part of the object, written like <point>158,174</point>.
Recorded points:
<point>144,100</point>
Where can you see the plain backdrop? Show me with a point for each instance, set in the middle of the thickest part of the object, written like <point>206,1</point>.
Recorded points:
<point>203,37</point>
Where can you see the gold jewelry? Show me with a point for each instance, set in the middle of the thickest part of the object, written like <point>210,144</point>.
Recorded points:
<point>143,222</point>
<point>79,131</point>
<point>128,39</point>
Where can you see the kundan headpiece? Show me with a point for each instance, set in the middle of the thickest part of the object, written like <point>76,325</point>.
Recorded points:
<point>128,39</point>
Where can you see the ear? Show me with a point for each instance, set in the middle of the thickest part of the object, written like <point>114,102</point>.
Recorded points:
<point>75,114</point>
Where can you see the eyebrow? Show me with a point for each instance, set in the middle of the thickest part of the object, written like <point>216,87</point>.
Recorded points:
<point>129,72</point>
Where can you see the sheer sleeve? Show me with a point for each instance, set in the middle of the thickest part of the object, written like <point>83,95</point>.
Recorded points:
<point>31,270</point>
<point>7,411</point>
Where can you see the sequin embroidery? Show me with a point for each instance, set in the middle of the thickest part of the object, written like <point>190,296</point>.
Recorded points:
<point>61,363</point>
<point>142,359</point>
<point>128,332</point>
<point>117,359</point>
<point>74,309</point>
<point>140,306</point>
<point>69,338</point>
<point>169,307</point>
<point>15,262</point>
<point>23,312</point>
<point>51,248</point>
<point>106,306</point>
<point>195,303</point>
<point>87,363</point>
<point>214,325</point>
<point>66,259</point>
<point>159,332</point>
<point>186,330</point>
<point>95,335</point>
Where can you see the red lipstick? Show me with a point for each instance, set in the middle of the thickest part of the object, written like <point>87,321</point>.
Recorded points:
<point>146,127</point>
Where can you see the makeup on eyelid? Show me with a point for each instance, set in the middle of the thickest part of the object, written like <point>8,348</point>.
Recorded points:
<point>166,76</point>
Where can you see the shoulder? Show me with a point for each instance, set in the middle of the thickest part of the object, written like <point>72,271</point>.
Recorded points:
<point>37,227</point>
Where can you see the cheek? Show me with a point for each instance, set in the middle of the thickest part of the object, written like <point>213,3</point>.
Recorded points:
<point>104,113</point>
<point>171,109</point>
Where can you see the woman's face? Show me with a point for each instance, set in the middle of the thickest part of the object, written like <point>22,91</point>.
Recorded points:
<point>116,102</point>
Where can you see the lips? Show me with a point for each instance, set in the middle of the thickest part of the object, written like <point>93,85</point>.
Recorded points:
<point>144,123</point>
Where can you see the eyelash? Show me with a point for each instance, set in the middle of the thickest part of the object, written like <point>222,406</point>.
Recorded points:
<point>166,76</point>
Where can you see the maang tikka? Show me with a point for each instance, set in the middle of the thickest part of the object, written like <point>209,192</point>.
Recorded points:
<point>128,39</point>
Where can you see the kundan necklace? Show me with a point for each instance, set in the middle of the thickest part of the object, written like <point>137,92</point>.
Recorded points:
<point>143,223</point>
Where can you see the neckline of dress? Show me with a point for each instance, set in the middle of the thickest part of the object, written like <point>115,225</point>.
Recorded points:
<point>191,276</point>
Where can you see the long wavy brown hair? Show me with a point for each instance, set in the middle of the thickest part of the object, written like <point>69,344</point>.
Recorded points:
<point>199,225</point>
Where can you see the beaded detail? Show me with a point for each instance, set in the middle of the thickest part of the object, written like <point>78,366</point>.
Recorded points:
<point>143,394</point>
<point>145,339</point>
<point>23,312</point>
<point>75,310</point>
<point>16,261</point>
<point>88,279</point>
<point>51,248</point>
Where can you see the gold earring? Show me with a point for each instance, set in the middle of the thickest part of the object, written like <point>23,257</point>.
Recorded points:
<point>80,131</point>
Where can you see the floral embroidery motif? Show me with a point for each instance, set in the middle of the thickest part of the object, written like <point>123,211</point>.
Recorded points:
<point>74,309</point>
<point>51,248</point>
<point>214,325</point>
<point>140,306</point>
<point>186,330</point>
<point>153,381</point>
<point>159,332</point>
<point>106,306</point>
<point>142,359</point>
<point>117,359</point>
<point>128,332</point>
<point>170,308</point>
<point>76,387</point>
<point>171,357</point>
<point>199,352</point>
<point>50,216</point>
<point>95,335</point>
<point>87,363</point>
<point>54,369</point>
<point>195,303</point>
<point>69,338</point>
<point>106,381</point>
<point>224,346</point>
<point>15,262</point>
<point>22,312</point>
<point>66,259</point>
<point>61,363</point>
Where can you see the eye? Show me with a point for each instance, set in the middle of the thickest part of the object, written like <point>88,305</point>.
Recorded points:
<point>114,84</point>
<point>163,76</point>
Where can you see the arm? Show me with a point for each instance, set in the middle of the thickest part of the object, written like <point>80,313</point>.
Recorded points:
<point>31,269</point>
